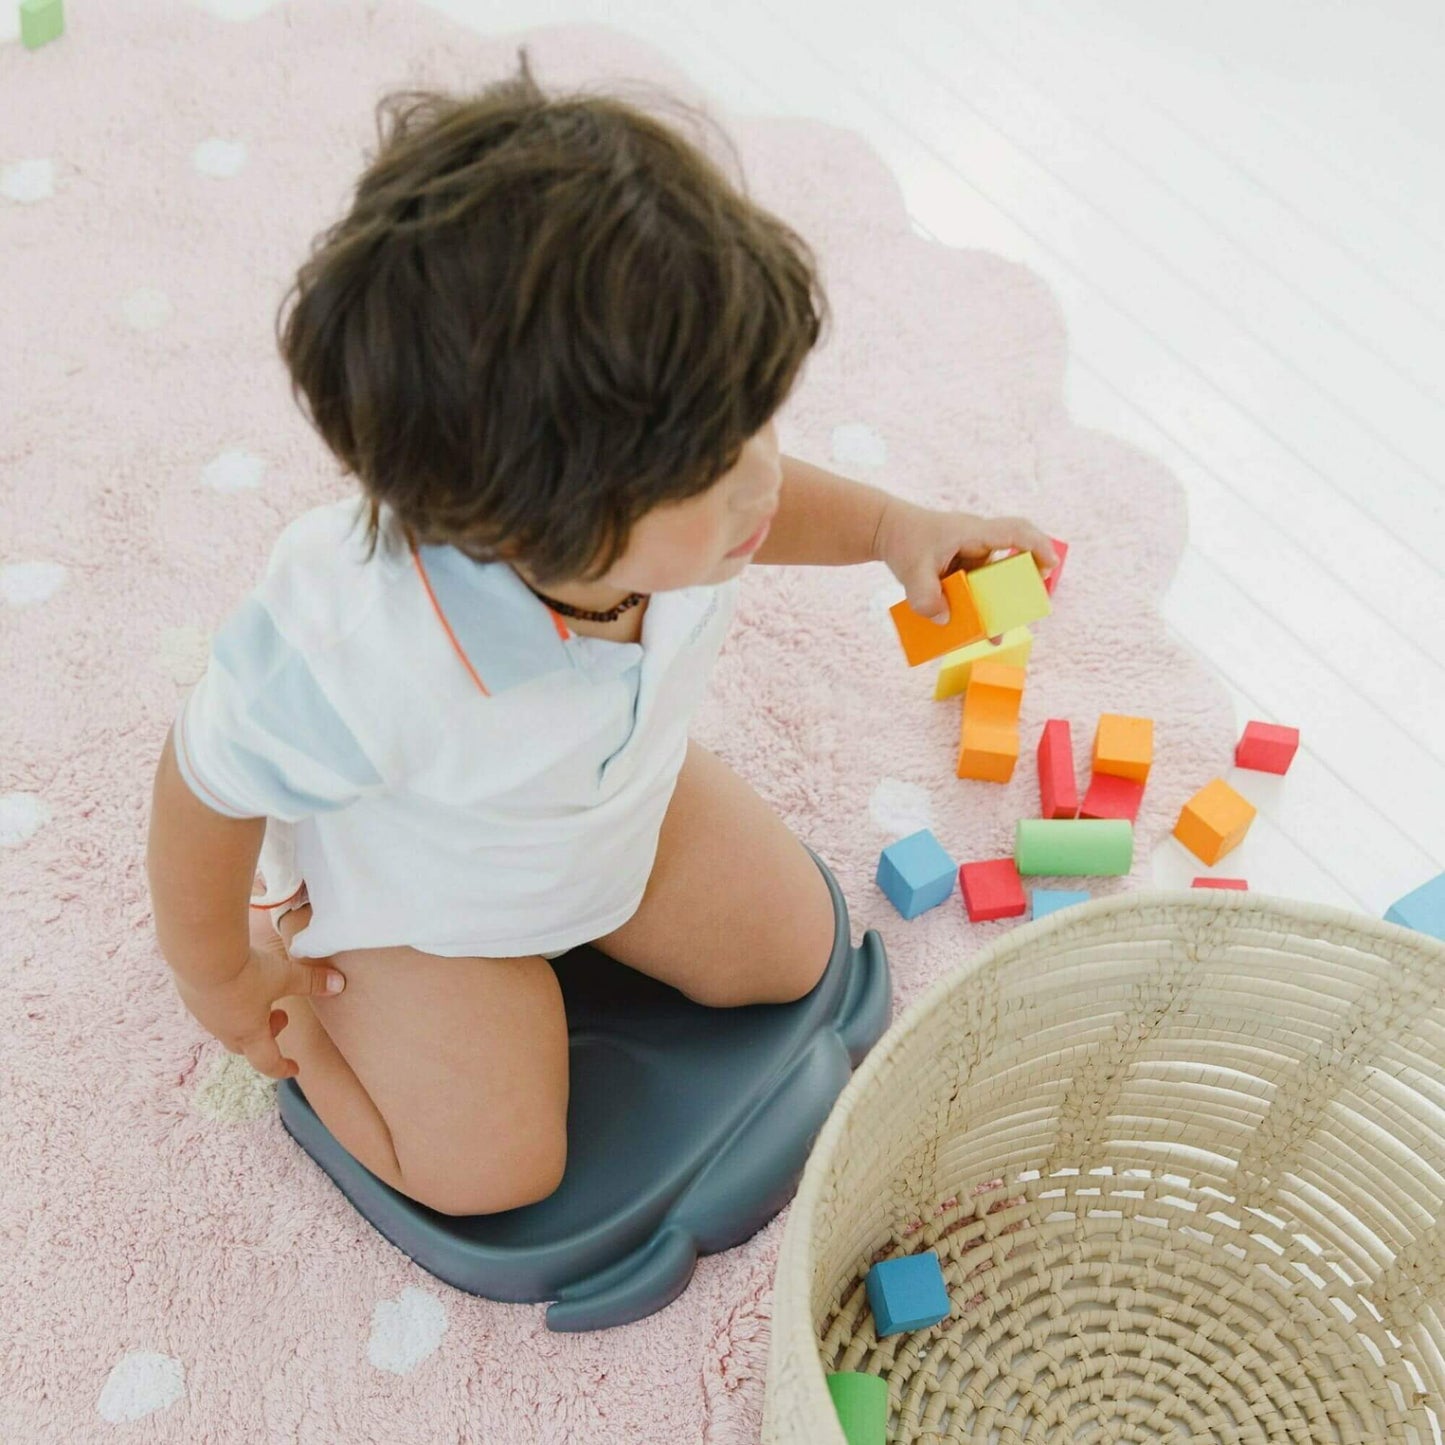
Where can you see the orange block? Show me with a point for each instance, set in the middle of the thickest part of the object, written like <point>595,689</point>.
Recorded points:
<point>924,639</point>
<point>989,741</point>
<point>1214,821</point>
<point>1124,746</point>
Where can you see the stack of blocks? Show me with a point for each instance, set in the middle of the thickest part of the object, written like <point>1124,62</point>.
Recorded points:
<point>988,747</point>
<point>955,670</point>
<point>985,644</point>
<point>1123,755</point>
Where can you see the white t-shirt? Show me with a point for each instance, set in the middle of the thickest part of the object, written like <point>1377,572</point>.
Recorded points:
<point>441,761</point>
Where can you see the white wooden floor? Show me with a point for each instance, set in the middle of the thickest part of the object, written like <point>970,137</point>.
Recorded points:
<point>1241,207</point>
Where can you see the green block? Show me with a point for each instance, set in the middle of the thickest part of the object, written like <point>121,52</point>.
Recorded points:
<point>41,20</point>
<point>1009,593</point>
<point>1074,847</point>
<point>862,1405</point>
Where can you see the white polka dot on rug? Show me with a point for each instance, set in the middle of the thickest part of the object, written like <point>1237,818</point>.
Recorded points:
<point>22,584</point>
<point>900,807</point>
<point>406,1330</point>
<point>28,181</point>
<point>183,653</point>
<point>140,1383</point>
<point>22,815</point>
<point>231,1091</point>
<point>219,158</point>
<point>856,444</point>
<point>146,308</point>
<point>234,472</point>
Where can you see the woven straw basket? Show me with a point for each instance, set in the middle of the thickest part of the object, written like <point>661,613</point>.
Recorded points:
<point>1182,1157</point>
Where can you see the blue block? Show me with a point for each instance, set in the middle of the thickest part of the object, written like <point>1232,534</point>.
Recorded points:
<point>1049,900</point>
<point>916,873</point>
<point>907,1294</point>
<point>1423,910</point>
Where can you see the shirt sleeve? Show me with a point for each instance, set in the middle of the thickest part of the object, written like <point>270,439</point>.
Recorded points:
<point>258,737</point>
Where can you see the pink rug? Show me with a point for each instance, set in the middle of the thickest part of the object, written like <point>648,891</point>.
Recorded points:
<point>172,1266</point>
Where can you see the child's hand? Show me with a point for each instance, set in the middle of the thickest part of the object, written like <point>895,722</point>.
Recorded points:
<point>240,1011</point>
<point>921,546</point>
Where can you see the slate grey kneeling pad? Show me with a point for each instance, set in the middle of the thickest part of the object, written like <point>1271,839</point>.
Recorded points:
<point>687,1130</point>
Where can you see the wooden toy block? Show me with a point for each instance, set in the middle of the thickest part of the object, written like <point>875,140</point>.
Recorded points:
<point>1423,910</point>
<point>992,890</point>
<point>1009,593</point>
<point>1124,746</point>
<point>957,667</point>
<point>988,745</point>
<point>1044,901</point>
<point>916,873</point>
<point>1052,580</point>
<point>1214,821</point>
<point>908,1293</point>
<point>1111,797</point>
<point>1236,883</point>
<point>924,639</point>
<point>1074,847</point>
<point>1058,790</point>
<point>41,21</point>
<point>987,753</point>
<point>861,1403</point>
<point>1266,748</point>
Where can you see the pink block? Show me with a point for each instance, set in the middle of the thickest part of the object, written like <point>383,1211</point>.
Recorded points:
<point>1111,797</point>
<point>1058,792</point>
<point>992,890</point>
<point>1266,748</point>
<point>1238,883</point>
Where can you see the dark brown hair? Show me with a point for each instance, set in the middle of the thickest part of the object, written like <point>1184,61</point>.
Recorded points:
<point>542,317</point>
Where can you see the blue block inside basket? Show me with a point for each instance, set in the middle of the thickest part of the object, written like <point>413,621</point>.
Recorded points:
<point>908,1293</point>
<point>688,1128</point>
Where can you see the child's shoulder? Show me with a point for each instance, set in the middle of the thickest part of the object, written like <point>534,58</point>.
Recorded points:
<point>317,582</point>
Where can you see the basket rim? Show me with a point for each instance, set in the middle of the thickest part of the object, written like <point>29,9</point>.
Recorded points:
<point>792,1324</point>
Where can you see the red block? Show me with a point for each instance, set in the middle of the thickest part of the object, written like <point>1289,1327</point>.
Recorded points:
<point>1062,548</point>
<point>1266,748</point>
<point>1238,883</point>
<point>992,890</point>
<point>1111,797</point>
<point>1058,792</point>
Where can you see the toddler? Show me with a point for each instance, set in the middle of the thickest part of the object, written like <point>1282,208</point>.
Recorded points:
<point>449,727</point>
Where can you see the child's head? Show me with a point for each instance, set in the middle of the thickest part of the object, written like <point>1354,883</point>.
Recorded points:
<point>550,330</point>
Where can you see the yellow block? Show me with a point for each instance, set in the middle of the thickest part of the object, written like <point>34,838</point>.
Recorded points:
<point>1009,593</point>
<point>1214,821</point>
<point>954,670</point>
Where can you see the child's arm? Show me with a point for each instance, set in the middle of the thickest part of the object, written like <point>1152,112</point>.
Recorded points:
<point>201,866</point>
<point>827,520</point>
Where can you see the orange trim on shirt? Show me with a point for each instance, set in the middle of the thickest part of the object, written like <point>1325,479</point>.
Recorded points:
<point>183,751</point>
<point>281,901</point>
<point>426,582</point>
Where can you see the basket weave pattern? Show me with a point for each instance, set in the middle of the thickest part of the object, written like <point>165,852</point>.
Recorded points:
<point>1183,1161</point>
